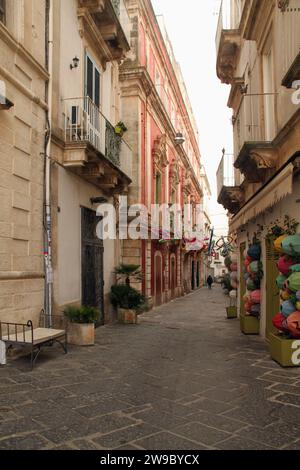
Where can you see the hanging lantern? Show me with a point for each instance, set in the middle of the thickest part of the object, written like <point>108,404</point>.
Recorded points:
<point>291,245</point>
<point>277,243</point>
<point>293,323</point>
<point>254,252</point>
<point>256,297</point>
<point>284,264</point>
<point>287,308</point>
<point>280,281</point>
<point>293,282</point>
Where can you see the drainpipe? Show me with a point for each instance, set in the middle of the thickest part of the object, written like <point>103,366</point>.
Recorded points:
<point>47,165</point>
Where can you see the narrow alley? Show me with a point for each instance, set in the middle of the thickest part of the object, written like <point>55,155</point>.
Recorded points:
<point>184,378</point>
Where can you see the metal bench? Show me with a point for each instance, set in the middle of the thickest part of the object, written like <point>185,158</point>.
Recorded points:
<point>25,335</point>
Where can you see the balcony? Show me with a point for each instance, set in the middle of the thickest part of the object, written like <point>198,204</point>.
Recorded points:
<point>92,148</point>
<point>228,40</point>
<point>229,195</point>
<point>255,154</point>
<point>107,22</point>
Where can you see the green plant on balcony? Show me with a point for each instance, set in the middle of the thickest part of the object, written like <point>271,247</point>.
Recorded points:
<point>120,128</point>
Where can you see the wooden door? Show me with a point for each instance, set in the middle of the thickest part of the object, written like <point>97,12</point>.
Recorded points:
<point>92,263</point>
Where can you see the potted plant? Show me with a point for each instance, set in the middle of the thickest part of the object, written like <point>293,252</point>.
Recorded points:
<point>120,128</point>
<point>129,301</point>
<point>81,330</point>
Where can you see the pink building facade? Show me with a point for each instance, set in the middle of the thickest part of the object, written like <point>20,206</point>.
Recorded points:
<point>156,110</point>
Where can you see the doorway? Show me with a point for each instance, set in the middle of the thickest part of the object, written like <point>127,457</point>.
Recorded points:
<point>92,263</point>
<point>173,276</point>
<point>158,279</point>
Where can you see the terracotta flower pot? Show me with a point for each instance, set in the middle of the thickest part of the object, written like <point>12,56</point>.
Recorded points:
<point>81,334</point>
<point>127,317</point>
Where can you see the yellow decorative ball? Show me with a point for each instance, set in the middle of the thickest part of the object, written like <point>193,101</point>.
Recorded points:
<point>284,295</point>
<point>278,242</point>
<point>298,306</point>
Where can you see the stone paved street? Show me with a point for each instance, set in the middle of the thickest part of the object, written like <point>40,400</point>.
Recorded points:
<point>185,378</point>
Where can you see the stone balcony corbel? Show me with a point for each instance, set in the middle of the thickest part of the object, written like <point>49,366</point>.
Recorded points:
<point>256,160</point>
<point>230,42</point>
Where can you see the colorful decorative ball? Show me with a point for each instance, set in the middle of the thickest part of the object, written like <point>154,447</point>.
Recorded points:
<point>285,295</point>
<point>278,242</point>
<point>234,257</point>
<point>256,297</point>
<point>256,309</point>
<point>291,245</point>
<point>248,306</point>
<point>254,252</point>
<point>255,267</point>
<point>293,282</point>
<point>280,281</point>
<point>287,308</point>
<point>298,305</point>
<point>279,322</point>
<point>233,275</point>
<point>246,263</point>
<point>234,267</point>
<point>293,323</point>
<point>246,298</point>
<point>295,268</point>
<point>234,284</point>
<point>298,295</point>
<point>251,285</point>
<point>284,264</point>
<point>248,258</point>
<point>233,294</point>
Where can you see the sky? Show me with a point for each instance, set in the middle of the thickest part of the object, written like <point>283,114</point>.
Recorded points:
<point>191,26</point>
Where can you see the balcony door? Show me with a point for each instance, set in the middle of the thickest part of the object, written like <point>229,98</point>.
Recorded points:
<point>269,96</point>
<point>93,102</point>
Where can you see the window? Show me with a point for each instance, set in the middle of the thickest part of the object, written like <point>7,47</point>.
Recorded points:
<point>269,89</point>
<point>2,11</point>
<point>92,81</point>
<point>158,188</point>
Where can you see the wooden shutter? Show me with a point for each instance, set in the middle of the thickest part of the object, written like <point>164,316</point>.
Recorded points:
<point>89,78</point>
<point>97,88</point>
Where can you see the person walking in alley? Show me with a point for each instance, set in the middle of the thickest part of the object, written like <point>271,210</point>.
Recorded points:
<point>209,281</point>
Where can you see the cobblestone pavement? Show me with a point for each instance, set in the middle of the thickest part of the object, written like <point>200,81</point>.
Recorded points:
<point>184,379</point>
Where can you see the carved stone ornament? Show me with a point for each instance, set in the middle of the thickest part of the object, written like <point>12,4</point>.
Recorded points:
<point>160,159</point>
<point>263,160</point>
<point>93,6</point>
<point>174,175</point>
<point>283,4</point>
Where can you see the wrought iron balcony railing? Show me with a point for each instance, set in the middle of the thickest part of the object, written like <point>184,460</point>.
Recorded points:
<point>225,173</point>
<point>84,122</point>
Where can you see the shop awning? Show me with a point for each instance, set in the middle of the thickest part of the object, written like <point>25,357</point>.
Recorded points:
<point>280,187</point>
